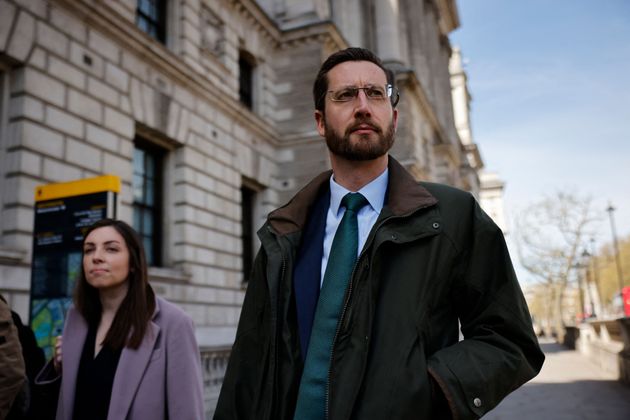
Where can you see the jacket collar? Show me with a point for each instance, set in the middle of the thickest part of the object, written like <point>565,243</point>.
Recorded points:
<point>131,368</point>
<point>404,196</point>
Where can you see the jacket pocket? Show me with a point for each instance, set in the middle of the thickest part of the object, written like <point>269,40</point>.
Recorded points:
<point>411,396</point>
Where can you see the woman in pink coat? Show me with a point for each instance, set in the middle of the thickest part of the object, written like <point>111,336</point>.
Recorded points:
<point>125,354</point>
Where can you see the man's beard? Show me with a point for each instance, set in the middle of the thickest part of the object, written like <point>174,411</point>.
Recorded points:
<point>364,148</point>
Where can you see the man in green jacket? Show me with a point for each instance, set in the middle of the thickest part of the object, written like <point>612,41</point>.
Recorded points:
<point>353,305</point>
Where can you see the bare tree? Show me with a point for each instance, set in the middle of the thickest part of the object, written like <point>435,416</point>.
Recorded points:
<point>550,235</point>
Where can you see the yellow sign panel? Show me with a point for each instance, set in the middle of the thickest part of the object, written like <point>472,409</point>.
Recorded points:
<point>80,187</point>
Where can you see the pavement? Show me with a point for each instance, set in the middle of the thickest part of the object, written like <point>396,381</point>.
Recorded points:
<point>568,387</point>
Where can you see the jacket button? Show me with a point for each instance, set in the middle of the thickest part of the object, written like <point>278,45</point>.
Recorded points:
<point>477,402</point>
<point>436,225</point>
<point>394,237</point>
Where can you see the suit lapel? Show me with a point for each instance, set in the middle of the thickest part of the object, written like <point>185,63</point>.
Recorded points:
<point>73,341</point>
<point>130,370</point>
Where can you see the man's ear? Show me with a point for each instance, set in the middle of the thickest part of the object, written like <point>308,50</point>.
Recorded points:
<point>395,119</point>
<point>321,123</point>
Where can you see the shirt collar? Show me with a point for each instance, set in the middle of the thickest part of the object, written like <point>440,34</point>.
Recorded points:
<point>374,192</point>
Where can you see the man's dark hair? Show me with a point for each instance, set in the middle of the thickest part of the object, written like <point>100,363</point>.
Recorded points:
<point>320,87</point>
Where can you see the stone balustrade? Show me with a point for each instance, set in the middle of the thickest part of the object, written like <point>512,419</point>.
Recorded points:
<point>214,362</point>
<point>606,343</point>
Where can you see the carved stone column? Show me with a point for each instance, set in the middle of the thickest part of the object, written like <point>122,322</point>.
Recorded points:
<point>388,30</point>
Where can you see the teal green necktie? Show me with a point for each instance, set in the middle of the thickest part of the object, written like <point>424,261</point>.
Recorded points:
<point>311,402</point>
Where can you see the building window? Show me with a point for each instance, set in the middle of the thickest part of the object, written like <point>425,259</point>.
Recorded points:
<point>248,196</point>
<point>246,79</point>
<point>4,140</point>
<point>147,198</point>
<point>151,18</point>
<point>252,218</point>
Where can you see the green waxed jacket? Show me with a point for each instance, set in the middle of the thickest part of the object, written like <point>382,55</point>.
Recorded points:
<point>432,257</point>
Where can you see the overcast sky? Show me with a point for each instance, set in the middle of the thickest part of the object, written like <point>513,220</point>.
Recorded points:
<point>550,81</point>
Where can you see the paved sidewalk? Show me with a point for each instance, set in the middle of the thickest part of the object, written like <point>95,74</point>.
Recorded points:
<point>568,387</point>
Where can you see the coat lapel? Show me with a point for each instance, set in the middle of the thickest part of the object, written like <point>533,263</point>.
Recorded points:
<point>72,347</point>
<point>130,370</point>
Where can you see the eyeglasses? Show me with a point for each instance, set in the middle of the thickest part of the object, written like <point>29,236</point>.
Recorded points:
<point>373,93</point>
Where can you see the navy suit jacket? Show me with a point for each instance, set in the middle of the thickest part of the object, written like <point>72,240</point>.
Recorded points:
<point>307,272</point>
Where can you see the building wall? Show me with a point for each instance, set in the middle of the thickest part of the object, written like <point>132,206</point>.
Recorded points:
<point>80,90</point>
<point>491,199</point>
<point>473,163</point>
<point>79,82</point>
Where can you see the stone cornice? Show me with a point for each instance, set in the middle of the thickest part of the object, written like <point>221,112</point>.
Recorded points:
<point>449,18</point>
<point>298,139</point>
<point>255,12</point>
<point>168,275</point>
<point>474,150</point>
<point>321,31</point>
<point>451,152</point>
<point>309,31</point>
<point>11,255</point>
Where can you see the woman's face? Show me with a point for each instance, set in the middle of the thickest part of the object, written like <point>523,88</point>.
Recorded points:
<point>105,259</point>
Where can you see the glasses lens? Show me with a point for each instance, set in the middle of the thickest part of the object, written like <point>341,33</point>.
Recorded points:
<point>344,95</point>
<point>374,92</point>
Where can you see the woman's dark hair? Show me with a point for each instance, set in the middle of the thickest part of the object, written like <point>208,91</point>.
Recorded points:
<point>133,316</point>
<point>320,87</point>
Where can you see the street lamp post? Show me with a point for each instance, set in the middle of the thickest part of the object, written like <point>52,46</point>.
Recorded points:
<point>586,257</point>
<point>595,276</point>
<point>610,211</point>
<point>580,283</point>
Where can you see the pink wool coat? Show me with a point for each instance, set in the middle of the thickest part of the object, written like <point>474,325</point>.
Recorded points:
<point>158,381</point>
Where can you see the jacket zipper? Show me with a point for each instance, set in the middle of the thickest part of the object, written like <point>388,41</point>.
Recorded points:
<point>274,327</point>
<point>343,312</point>
<point>340,323</point>
<point>275,352</point>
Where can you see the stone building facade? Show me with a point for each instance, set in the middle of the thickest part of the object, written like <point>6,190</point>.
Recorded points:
<point>204,109</point>
<point>488,187</point>
<point>491,198</point>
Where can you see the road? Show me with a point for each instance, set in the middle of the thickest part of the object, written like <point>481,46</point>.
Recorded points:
<point>568,387</point>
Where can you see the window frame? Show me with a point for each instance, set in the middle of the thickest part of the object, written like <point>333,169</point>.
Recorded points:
<point>251,218</point>
<point>159,24</point>
<point>4,130</point>
<point>247,79</point>
<point>248,198</point>
<point>157,209</point>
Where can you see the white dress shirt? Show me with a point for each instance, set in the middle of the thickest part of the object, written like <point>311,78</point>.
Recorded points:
<point>374,192</point>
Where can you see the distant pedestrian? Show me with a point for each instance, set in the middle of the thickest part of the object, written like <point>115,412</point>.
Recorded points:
<point>12,373</point>
<point>125,354</point>
<point>34,402</point>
